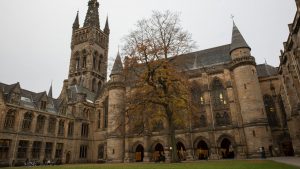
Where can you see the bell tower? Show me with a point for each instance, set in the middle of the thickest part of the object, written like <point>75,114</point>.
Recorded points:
<point>89,51</point>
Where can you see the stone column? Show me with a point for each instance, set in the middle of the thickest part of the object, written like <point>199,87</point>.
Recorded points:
<point>33,123</point>
<point>147,154</point>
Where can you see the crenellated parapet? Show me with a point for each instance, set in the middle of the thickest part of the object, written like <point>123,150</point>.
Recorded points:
<point>90,35</point>
<point>245,60</point>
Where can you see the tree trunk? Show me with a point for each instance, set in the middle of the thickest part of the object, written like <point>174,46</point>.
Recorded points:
<point>172,138</point>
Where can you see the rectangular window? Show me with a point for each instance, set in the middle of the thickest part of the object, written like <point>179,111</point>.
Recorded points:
<point>83,151</point>
<point>61,128</point>
<point>4,149</point>
<point>99,120</point>
<point>85,130</point>
<point>59,150</point>
<point>52,125</point>
<point>22,149</point>
<point>48,150</point>
<point>105,112</point>
<point>36,149</point>
<point>70,129</point>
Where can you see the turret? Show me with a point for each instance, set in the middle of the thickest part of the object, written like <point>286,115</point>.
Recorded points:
<point>254,119</point>
<point>92,15</point>
<point>106,28</point>
<point>50,92</point>
<point>76,22</point>
<point>116,103</point>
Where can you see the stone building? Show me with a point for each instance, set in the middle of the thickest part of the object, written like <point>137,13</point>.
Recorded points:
<point>289,89</point>
<point>243,107</point>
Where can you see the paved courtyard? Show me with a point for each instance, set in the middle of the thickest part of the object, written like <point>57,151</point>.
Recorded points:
<point>287,160</point>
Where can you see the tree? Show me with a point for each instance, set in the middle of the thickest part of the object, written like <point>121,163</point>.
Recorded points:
<point>159,90</point>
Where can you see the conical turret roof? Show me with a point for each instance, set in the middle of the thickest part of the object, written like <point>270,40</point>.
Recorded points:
<point>238,40</point>
<point>118,66</point>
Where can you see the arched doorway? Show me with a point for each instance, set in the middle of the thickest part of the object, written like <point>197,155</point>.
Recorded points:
<point>68,157</point>
<point>226,150</point>
<point>181,151</point>
<point>139,153</point>
<point>287,148</point>
<point>202,152</point>
<point>158,152</point>
<point>101,152</point>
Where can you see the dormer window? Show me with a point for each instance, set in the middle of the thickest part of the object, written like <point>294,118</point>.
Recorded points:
<point>15,98</point>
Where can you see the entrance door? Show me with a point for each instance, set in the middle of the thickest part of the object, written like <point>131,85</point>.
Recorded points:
<point>202,150</point>
<point>158,152</point>
<point>226,150</point>
<point>181,151</point>
<point>68,157</point>
<point>139,153</point>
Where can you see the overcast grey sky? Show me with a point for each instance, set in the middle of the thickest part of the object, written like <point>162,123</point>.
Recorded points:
<point>35,35</point>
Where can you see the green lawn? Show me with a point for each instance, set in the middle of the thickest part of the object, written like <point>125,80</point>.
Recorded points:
<point>232,164</point>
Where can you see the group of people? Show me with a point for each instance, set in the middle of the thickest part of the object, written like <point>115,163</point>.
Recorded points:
<point>45,162</point>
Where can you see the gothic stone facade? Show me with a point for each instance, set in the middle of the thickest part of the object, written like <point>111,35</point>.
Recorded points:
<point>242,107</point>
<point>289,70</point>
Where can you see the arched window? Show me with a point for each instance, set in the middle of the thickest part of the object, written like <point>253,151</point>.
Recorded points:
<point>197,97</point>
<point>271,110</point>
<point>94,85</point>
<point>74,82</point>
<point>84,62</point>
<point>10,119</point>
<point>99,85</point>
<point>77,63</point>
<point>223,119</point>
<point>94,62</point>
<point>27,121</point>
<point>158,125</point>
<point>40,124</point>
<point>100,62</point>
<point>203,121</point>
<point>218,118</point>
<point>218,95</point>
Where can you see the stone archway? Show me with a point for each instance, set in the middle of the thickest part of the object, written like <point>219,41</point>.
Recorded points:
<point>139,153</point>
<point>202,151</point>
<point>226,149</point>
<point>158,152</point>
<point>181,151</point>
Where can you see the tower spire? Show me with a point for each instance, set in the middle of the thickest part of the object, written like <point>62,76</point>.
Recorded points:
<point>76,22</point>
<point>106,28</point>
<point>238,40</point>
<point>50,91</point>
<point>92,16</point>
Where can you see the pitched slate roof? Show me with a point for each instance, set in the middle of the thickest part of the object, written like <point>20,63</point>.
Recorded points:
<point>31,99</point>
<point>208,57</point>
<point>265,70</point>
<point>77,89</point>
